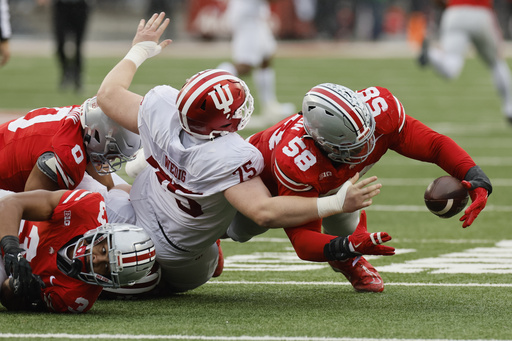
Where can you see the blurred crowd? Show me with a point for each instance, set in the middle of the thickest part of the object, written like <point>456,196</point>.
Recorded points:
<point>361,20</point>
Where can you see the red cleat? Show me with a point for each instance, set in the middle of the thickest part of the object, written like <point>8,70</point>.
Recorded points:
<point>363,276</point>
<point>220,262</point>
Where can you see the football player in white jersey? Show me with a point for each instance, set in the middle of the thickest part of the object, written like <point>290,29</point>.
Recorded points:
<point>253,46</point>
<point>201,171</point>
<point>464,22</point>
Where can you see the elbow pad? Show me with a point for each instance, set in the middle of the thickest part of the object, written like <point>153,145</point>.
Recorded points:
<point>48,165</point>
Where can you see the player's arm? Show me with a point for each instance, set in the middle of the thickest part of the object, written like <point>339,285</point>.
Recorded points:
<point>252,199</point>
<point>113,97</point>
<point>39,180</point>
<point>33,205</point>
<point>37,205</point>
<point>312,245</point>
<point>419,142</point>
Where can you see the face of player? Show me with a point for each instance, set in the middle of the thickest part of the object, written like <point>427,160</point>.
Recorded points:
<point>100,259</point>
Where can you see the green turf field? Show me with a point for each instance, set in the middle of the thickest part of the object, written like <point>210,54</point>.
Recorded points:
<point>445,282</point>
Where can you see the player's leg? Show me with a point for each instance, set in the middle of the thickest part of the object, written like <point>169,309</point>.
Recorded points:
<point>245,52</point>
<point>448,60</point>
<point>243,229</point>
<point>358,271</point>
<point>264,77</point>
<point>186,271</point>
<point>59,27</point>
<point>488,42</point>
<point>79,26</point>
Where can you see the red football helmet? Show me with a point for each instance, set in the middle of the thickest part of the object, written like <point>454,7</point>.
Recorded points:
<point>213,103</point>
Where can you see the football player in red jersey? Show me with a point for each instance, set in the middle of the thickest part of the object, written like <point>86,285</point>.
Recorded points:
<point>201,171</point>
<point>52,148</point>
<point>466,22</point>
<point>61,259</point>
<point>338,134</point>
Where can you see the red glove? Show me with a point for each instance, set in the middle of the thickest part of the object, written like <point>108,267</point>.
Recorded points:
<point>479,200</point>
<point>364,243</point>
<point>359,243</point>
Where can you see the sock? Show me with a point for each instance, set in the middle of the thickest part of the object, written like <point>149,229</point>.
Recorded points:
<point>265,82</point>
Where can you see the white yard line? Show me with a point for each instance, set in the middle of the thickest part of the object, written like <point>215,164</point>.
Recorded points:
<point>483,285</point>
<point>213,338</point>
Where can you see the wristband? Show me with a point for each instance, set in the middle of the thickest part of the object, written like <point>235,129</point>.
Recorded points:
<point>333,204</point>
<point>477,178</point>
<point>142,51</point>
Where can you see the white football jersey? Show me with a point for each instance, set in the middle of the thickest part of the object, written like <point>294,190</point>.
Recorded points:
<point>179,199</point>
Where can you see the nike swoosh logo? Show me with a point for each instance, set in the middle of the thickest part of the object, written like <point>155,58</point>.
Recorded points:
<point>355,247</point>
<point>51,279</point>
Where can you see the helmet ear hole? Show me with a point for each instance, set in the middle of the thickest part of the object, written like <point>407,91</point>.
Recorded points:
<point>97,136</point>
<point>203,105</point>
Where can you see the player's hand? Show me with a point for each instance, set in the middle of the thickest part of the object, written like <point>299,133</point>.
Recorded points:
<point>360,195</point>
<point>359,243</point>
<point>362,242</point>
<point>34,299</point>
<point>152,30</point>
<point>479,200</point>
<point>479,187</point>
<point>16,265</point>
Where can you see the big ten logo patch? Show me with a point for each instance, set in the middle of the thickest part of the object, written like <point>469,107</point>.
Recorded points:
<point>67,218</point>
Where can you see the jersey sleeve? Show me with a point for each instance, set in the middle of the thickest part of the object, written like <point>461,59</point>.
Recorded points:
<point>69,150</point>
<point>159,99</point>
<point>412,138</point>
<point>419,142</point>
<point>387,110</point>
<point>81,208</point>
<point>75,297</point>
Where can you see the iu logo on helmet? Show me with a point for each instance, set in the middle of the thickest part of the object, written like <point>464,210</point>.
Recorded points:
<point>224,98</point>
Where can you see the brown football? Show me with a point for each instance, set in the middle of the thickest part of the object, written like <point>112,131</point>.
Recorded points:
<point>446,197</point>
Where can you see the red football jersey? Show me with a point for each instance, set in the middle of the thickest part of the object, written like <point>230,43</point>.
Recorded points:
<point>295,166</point>
<point>78,212</point>
<point>483,3</point>
<point>23,140</point>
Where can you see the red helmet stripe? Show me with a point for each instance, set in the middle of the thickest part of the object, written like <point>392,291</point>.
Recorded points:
<point>354,118</point>
<point>138,258</point>
<point>198,84</point>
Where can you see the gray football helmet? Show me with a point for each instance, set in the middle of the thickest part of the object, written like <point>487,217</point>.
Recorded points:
<point>107,143</point>
<point>131,255</point>
<point>339,122</point>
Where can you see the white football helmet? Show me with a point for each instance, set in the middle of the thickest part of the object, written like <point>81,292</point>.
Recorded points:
<point>339,122</point>
<point>131,254</point>
<point>108,144</point>
<point>213,103</point>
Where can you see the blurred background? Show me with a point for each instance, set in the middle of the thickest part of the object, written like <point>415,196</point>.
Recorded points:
<point>345,20</point>
<point>310,29</point>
